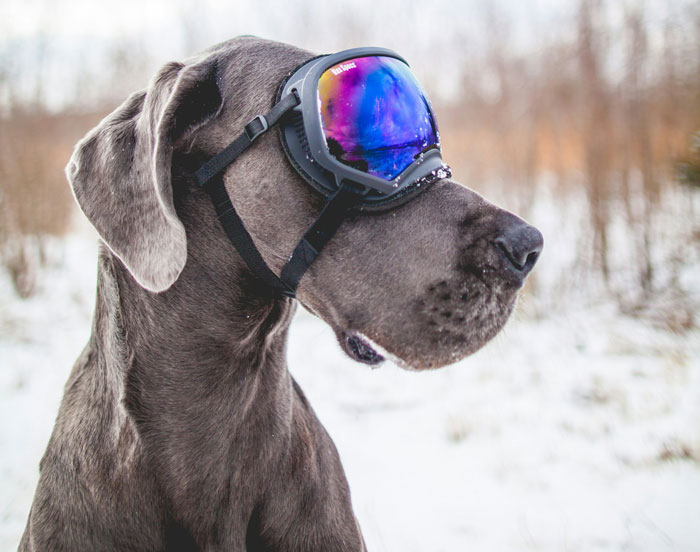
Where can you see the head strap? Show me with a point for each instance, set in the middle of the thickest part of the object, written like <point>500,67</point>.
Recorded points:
<point>322,230</point>
<point>257,126</point>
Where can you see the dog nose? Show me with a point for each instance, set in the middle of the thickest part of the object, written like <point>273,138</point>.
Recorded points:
<point>522,245</point>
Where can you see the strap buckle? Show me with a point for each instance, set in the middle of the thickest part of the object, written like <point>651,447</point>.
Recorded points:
<point>251,132</point>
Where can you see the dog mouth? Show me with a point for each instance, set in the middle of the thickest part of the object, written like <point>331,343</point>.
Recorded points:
<point>362,349</point>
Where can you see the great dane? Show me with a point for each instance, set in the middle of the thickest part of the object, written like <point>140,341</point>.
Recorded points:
<point>181,427</point>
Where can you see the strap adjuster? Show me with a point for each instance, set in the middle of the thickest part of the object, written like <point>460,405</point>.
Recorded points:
<point>260,122</point>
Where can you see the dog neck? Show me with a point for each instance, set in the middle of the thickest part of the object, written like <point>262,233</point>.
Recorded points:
<point>200,361</point>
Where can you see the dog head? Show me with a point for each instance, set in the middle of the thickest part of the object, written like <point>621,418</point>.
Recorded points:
<point>427,283</point>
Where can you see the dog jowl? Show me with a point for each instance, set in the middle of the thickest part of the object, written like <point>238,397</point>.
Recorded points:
<point>181,427</point>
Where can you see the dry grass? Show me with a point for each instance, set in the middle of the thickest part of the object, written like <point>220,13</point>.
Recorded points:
<point>35,199</point>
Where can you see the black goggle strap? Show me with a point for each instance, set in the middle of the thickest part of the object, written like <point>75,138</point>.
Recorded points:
<point>259,125</point>
<point>316,237</point>
<point>239,236</point>
<point>321,231</point>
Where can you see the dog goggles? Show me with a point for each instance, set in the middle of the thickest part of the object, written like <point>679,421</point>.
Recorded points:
<point>357,127</point>
<point>363,118</point>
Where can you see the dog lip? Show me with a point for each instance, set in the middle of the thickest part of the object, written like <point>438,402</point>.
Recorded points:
<point>359,349</point>
<point>381,354</point>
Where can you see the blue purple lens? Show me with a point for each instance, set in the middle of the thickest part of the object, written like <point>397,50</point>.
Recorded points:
<point>375,116</point>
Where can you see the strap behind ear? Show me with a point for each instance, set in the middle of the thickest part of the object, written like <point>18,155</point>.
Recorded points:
<point>120,173</point>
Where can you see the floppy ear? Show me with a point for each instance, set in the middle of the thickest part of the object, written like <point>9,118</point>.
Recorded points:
<point>120,173</point>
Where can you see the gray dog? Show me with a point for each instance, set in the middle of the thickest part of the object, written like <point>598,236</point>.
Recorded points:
<point>181,427</point>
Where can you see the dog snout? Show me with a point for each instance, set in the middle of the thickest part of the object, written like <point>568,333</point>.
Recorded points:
<point>521,244</point>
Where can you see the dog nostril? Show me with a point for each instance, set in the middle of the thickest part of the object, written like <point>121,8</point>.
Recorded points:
<point>522,245</point>
<point>532,258</point>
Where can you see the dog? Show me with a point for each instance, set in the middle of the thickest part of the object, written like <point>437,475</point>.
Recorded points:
<point>181,427</point>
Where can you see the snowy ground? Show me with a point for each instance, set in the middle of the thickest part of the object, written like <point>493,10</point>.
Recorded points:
<point>576,432</point>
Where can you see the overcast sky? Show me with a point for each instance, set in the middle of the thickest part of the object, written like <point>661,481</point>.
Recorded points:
<point>79,35</point>
<point>314,24</point>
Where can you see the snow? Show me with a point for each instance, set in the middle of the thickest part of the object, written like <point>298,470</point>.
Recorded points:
<point>576,431</point>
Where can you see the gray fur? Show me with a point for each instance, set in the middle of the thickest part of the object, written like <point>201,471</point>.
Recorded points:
<point>181,427</point>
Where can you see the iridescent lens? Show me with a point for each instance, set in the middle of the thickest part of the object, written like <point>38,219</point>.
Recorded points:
<point>375,116</point>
